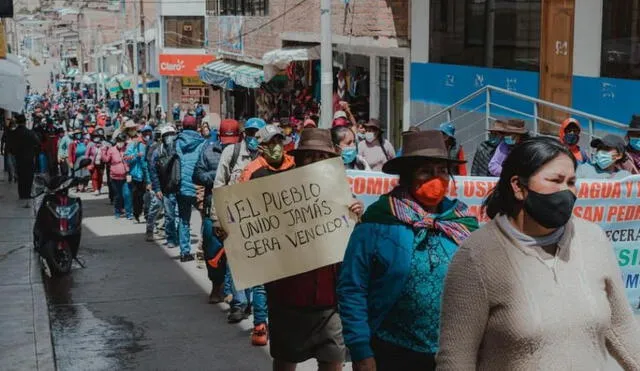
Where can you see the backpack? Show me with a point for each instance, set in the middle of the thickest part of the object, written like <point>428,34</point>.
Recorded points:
<point>234,157</point>
<point>168,167</point>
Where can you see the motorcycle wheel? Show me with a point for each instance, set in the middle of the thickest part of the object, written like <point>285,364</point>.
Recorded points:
<point>59,257</point>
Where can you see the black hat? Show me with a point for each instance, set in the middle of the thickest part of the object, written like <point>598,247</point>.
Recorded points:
<point>610,141</point>
<point>422,145</point>
<point>634,124</point>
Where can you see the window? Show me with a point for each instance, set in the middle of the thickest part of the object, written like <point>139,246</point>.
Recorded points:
<point>621,39</point>
<point>238,7</point>
<point>462,33</point>
<point>184,32</point>
<point>192,95</point>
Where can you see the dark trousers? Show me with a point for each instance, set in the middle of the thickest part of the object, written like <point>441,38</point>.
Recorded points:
<point>25,170</point>
<point>118,204</point>
<point>137,189</point>
<point>390,357</point>
<point>64,168</point>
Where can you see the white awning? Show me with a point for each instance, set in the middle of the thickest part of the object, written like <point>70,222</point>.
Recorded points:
<point>13,86</point>
<point>279,59</point>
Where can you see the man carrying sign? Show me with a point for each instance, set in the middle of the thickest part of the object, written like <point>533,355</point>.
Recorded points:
<point>272,160</point>
<point>303,314</point>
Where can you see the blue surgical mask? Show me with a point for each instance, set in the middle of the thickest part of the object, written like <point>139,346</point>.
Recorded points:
<point>252,143</point>
<point>360,136</point>
<point>634,143</point>
<point>603,159</point>
<point>349,154</point>
<point>571,138</point>
<point>494,140</point>
<point>509,140</point>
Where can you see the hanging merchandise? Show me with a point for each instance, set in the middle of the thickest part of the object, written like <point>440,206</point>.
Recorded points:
<point>342,84</point>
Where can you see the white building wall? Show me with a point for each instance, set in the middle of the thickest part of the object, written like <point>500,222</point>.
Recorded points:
<point>420,31</point>
<point>182,8</point>
<point>587,38</point>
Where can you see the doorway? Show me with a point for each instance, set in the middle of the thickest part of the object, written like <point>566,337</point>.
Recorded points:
<point>556,60</point>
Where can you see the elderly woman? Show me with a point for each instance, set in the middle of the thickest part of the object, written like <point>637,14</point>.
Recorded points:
<point>393,271</point>
<point>536,289</point>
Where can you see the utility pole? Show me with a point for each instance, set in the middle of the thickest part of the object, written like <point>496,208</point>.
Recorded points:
<point>326,64</point>
<point>81,49</point>
<point>144,54</point>
<point>136,68</point>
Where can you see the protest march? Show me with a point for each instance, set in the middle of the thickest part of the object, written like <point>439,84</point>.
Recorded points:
<point>340,249</point>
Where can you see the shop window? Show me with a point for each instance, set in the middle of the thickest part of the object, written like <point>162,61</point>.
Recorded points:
<point>621,39</point>
<point>193,96</point>
<point>184,32</point>
<point>462,33</point>
<point>238,7</point>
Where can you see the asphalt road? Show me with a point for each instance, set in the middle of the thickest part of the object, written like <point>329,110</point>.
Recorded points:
<point>135,306</point>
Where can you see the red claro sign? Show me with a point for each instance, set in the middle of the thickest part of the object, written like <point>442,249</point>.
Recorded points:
<point>182,64</point>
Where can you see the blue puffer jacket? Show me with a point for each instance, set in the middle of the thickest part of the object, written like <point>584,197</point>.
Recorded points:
<point>188,146</point>
<point>375,269</point>
<point>207,165</point>
<point>135,155</point>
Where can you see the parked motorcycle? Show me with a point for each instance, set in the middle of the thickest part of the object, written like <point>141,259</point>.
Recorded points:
<point>58,226</point>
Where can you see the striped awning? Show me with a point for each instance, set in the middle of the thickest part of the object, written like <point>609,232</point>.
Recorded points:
<point>225,72</point>
<point>72,72</point>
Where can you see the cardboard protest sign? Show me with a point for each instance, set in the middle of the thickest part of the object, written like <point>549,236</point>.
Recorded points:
<point>286,224</point>
<point>613,204</point>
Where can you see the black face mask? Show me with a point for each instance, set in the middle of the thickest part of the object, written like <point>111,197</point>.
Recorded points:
<point>551,210</point>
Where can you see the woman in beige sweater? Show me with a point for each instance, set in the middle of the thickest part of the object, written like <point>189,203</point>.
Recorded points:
<point>536,289</point>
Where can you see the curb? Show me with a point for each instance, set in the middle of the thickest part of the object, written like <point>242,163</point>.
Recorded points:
<point>43,342</point>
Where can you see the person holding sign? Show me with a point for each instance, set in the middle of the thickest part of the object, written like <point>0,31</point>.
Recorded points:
<point>535,288</point>
<point>394,267</point>
<point>303,315</point>
<point>272,160</point>
<point>239,150</point>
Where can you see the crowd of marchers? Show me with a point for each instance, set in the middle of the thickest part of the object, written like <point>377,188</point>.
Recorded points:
<point>422,285</point>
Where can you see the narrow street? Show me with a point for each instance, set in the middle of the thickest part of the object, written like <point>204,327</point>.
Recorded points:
<point>134,306</point>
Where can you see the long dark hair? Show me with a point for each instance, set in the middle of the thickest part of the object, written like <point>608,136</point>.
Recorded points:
<point>524,160</point>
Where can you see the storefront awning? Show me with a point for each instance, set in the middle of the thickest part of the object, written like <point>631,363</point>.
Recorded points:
<point>13,85</point>
<point>72,72</point>
<point>279,59</point>
<point>153,86</point>
<point>223,73</point>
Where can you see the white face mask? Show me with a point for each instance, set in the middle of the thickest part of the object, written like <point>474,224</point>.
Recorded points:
<point>369,136</point>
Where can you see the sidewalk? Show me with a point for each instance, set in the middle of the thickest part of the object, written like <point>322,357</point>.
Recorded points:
<point>25,336</point>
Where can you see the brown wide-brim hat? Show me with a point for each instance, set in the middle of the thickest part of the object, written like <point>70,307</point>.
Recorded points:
<point>513,126</point>
<point>314,139</point>
<point>373,123</point>
<point>417,147</point>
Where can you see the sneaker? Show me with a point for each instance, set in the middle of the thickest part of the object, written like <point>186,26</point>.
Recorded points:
<point>259,335</point>
<point>149,237</point>
<point>186,258</point>
<point>236,314</point>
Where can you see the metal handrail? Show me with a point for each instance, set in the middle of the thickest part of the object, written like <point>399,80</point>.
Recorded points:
<point>487,90</point>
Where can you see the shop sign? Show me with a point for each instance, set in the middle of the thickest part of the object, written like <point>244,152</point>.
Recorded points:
<point>3,41</point>
<point>230,40</point>
<point>182,64</point>
<point>192,81</point>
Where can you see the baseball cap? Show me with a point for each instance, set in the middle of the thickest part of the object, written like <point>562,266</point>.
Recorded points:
<point>229,131</point>
<point>448,129</point>
<point>189,122</point>
<point>610,141</point>
<point>339,114</point>
<point>268,132</point>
